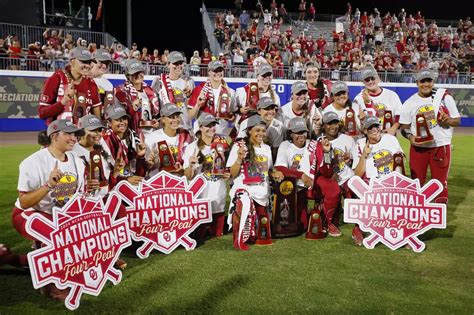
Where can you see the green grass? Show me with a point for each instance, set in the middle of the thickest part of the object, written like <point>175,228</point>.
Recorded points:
<point>292,276</point>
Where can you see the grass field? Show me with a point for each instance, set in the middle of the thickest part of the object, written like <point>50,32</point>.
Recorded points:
<point>292,276</point>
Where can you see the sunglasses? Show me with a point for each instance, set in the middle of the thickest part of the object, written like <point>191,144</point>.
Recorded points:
<point>369,79</point>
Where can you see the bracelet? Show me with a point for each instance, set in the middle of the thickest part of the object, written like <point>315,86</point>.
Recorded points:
<point>48,186</point>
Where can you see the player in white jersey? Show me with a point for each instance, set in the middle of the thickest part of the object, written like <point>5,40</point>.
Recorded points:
<point>298,105</point>
<point>436,111</point>
<point>378,101</point>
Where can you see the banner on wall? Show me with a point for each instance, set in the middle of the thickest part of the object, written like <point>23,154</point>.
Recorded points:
<point>20,90</point>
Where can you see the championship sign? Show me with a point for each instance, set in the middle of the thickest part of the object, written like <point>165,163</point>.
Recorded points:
<point>164,211</point>
<point>81,246</point>
<point>395,210</point>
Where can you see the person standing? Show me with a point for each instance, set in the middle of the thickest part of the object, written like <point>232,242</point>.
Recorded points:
<point>440,113</point>
<point>100,66</point>
<point>63,89</point>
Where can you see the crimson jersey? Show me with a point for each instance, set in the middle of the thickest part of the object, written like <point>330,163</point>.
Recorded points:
<point>50,107</point>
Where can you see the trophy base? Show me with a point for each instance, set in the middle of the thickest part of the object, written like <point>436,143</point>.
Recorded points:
<point>169,169</point>
<point>226,116</point>
<point>313,237</point>
<point>420,140</point>
<point>146,124</point>
<point>263,242</point>
<point>103,184</point>
<point>252,181</point>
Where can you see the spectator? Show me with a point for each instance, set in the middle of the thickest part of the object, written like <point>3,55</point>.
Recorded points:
<point>244,19</point>
<point>195,62</point>
<point>312,11</point>
<point>282,13</point>
<point>14,52</point>
<point>302,10</point>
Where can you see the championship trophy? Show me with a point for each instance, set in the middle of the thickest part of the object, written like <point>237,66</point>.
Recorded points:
<point>146,120</point>
<point>80,107</point>
<point>350,122</point>
<point>218,165</point>
<point>387,120</point>
<point>398,163</point>
<point>251,172</point>
<point>223,110</point>
<point>253,95</point>
<point>315,224</point>
<point>167,161</point>
<point>108,99</point>
<point>264,235</point>
<point>285,221</point>
<point>422,129</point>
<point>96,170</point>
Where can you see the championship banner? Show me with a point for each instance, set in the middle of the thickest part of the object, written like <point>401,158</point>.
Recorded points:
<point>395,210</point>
<point>81,246</point>
<point>164,211</point>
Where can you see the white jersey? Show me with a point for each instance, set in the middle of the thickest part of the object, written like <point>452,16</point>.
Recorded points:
<point>216,187</point>
<point>275,133</point>
<point>342,144</point>
<point>259,192</point>
<point>242,96</point>
<point>429,106</point>
<point>380,160</point>
<point>341,113</point>
<point>290,156</point>
<point>34,173</point>
<point>84,154</point>
<point>288,114</point>
<point>152,140</point>
<point>385,100</point>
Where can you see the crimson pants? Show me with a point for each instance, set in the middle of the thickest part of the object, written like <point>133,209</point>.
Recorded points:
<point>330,191</point>
<point>439,161</point>
<point>19,218</point>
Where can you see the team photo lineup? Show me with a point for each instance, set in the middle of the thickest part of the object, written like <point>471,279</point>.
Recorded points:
<point>271,168</point>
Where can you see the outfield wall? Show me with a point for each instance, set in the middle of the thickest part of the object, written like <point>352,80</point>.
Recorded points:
<point>20,90</point>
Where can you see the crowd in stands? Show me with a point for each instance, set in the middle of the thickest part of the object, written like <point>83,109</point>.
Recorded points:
<point>398,43</point>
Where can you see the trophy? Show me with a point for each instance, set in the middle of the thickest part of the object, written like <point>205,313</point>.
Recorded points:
<point>218,165</point>
<point>96,170</point>
<point>285,221</point>
<point>315,224</point>
<point>223,110</point>
<point>398,163</point>
<point>108,99</point>
<point>80,107</point>
<point>252,173</point>
<point>387,120</point>
<point>167,161</point>
<point>264,235</point>
<point>253,95</point>
<point>146,120</point>
<point>422,129</point>
<point>350,122</point>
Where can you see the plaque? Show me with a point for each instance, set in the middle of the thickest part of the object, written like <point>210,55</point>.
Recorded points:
<point>223,110</point>
<point>315,223</point>
<point>146,120</point>
<point>264,235</point>
<point>398,163</point>
<point>218,164</point>
<point>350,122</point>
<point>96,170</point>
<point>285,216</point>
<point>422,129</point>
<point>167,162</point>
<point>80,107</point>
<point>387,120</point>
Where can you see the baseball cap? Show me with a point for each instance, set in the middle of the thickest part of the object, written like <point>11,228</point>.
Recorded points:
<point>297,124</point>
<point>115,111</point>
<point>207,119</point>
<point>426,74</point>
<point>214,65</point>
<point>169,109</point>
<point>133,66</point>
<point>265,102</point>
<point>339,86</point>
<point>102,55</point>
<point>254,120</point>
<point>80,53</point>
<point>175,56</point>
<point>90,122</point>
<point>368,72</point>
<point>370,121</point>
<point>298,86</point>
<point>264,69</point>
<point>63,125</point>
<point>329,117</point>
<point>311,64</point>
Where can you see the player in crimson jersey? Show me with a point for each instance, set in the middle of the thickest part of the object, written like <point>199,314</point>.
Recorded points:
<point>65,87</point>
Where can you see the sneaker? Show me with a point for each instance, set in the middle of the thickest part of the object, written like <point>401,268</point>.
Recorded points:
<point>120,264</point>
<point>333,230</point>
<point>357,236</point>
<point>51,291</point>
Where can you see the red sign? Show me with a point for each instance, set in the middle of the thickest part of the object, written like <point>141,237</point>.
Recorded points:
<point>164,211</point>
<point>82,244</point>
<point>395,210</point>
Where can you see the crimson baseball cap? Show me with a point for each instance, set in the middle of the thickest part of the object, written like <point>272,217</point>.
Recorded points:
<point>63,125</point>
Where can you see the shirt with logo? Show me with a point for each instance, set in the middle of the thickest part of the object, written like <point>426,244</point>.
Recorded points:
<point>152,140</point>
<point>385,100</point>
<point>340,146</point>
<point>290,156</point>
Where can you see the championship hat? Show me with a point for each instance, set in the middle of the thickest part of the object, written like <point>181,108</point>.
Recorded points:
<point>297,124</point>
<point>90,122</point>
<point>63,125</point>
<point>169,109</point>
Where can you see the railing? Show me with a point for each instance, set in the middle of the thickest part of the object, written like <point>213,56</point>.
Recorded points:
<point>32,63</point>
<point>29,34</point>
